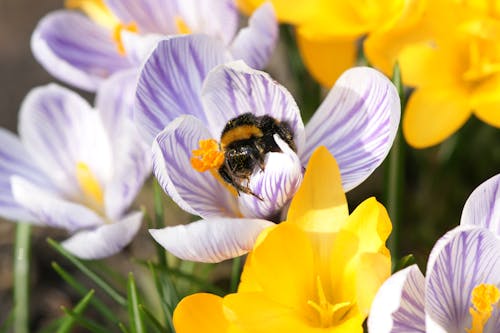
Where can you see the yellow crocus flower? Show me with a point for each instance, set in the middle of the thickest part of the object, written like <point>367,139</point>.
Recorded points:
<point>318,271</point>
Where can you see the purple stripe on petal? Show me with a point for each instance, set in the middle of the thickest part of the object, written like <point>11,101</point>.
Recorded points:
<point>170,81</point>
<point>464,259</point>
<point>357,122</point>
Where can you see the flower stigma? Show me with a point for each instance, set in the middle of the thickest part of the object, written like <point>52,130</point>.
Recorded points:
<point>329,314</point>
<point>117,35</point>
<point>90,186</point>
<point>483,297</point>
<point>182,26</point>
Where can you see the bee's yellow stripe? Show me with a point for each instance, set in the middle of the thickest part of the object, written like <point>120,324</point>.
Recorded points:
<point>240,133</point>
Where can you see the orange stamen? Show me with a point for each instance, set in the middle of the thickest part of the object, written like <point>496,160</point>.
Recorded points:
<point>208,156</point>
<point>117,35</point>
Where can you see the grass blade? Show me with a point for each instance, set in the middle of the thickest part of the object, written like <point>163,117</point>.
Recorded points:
<point>21,278</point>
<point>91,325</point>
<point>151,319</point>
<point>133,306</point>
<point>89,273</point>
<point>69,321</point>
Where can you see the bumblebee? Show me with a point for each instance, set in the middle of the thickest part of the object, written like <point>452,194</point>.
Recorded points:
<point>245,140</point>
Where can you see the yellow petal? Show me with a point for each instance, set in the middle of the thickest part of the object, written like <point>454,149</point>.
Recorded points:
<point>486,101</point>
<point>282,266</point>
<point>373,269</point>
<point>433,115</point>
<point>298,12</point>
<point>200,313</point>
<point>326,59</point>
<point>371,224</point>
<point>320,204</point>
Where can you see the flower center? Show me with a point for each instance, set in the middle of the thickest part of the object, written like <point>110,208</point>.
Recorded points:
<point>182,26</point>
<point>483,49</point>
<point>484,296</point>
<point>208,156</point>
<point>100,13</point>
<point>328,314</point>
<point>90,187</point>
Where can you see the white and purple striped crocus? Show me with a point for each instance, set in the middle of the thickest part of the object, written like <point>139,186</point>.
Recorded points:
<point>84,47</point>
<point>461,290</point>
<point>187,94</point>
<point>75,167</point>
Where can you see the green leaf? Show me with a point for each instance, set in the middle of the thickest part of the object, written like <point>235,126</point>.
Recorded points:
<point>106,287</point>
<point>404,262</point>
<point>69,321</point>
<point>96,303</point>
<point>21,277</point>
<point>235,274</point>
<point>133,306</point>
<point>91,325</point>
<point>151,319</point>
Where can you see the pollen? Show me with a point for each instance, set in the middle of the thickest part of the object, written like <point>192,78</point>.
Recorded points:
<point>182,26</point>
<point>483,297</point>
<point>208,156</point>
<point>89,184</point>
<point>117,35</point>
<point>96,10</point>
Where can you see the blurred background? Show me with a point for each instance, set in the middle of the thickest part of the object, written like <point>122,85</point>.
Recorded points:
<point>437,181</point>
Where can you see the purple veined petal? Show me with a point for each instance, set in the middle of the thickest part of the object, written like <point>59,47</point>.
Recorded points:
<point>105,240</point>
<point>138,47</point>
<point>255,43</point>
<point>47,208</point>
<point>76,50</point>
<point>275,186</point>
<point>15,160</point>
<point>398,306</point>
<point>234,88</point>
<point>483,206</point>
<point>198,193</point>
<point>357,122</point>
<point>151,16</point>
<point>59,129</point>
<point>211,240</point>
<point>218,18</point>
<point>170,81</point>
<point>466,258</point>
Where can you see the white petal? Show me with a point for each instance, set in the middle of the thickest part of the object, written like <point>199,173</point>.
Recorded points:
<point>483,206</point>
<point>199,193</point>
<point>357,122</point>
<point>211,240</point>
<point>138,47</point>
<point>105,240</point>
<point>234,88</point>
<point>398,306</point>
<point>49,209</point>
<point>255,43</point>
<point>59,129</point>
<point>275,186</point>
<point>466,258</point>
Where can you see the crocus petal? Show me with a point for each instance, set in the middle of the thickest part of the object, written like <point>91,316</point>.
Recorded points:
<point>448,109</point>
<point>483,206</point>
<point>275,185</point>
<point>327,59</point>
<point>255,44</point>
<point>357,122</point>
<point>198,193</point>
<point>218,19</point>
<point>320,204</point>
<point>15,160</point>
<point>105,240</point>
<point>211,240</point>
<point>138,47</point>
<point>468,257</point>
<point>234,88</point>
<point>49,209</point>
<point>149,15</point>
<point>398,306</point>
<point>76,50</point>
<point>200,313</point>
<point>59,130</point>
<point>170,81</point>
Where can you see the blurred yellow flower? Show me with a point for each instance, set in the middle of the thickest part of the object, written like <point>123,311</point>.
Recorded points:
<point>319,270</point>
<point>328,31</point>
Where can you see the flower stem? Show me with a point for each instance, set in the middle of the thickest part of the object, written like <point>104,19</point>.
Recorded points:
<point>394,174</point>
<point>235,274</point>
<point>21,278</point>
